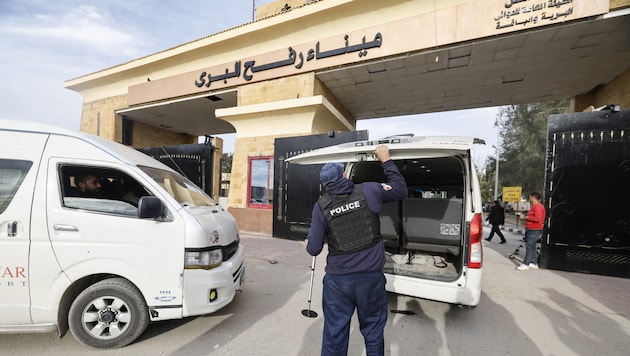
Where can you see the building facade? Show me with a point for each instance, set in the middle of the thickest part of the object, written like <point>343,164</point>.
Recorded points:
<point>311,67</point>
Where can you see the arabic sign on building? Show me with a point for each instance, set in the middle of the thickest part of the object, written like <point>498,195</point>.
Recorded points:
<point>249,67</point>
<point>512,194</point>
<point>519,14</point>
<point>436,24</point>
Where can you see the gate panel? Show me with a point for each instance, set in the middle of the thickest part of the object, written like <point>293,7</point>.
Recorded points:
<point>195,161</point>
<point>587,193</point>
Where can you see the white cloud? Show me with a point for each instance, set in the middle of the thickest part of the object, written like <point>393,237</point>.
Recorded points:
<point>85,29</point>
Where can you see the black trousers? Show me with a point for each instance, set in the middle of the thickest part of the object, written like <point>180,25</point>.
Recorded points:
<point>495,228</point>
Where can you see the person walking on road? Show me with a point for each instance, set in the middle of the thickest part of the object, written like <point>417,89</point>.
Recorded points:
<point>496,218</point>
<point>534,223</point>
<point>346,216</point>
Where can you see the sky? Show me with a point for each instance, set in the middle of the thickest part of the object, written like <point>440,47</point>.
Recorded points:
<point>44,43</point>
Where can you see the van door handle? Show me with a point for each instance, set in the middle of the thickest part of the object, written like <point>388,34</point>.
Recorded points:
<point>12,228</point>
<point>63,227</point>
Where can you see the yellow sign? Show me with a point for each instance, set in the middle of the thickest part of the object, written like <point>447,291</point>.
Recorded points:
<point>512,194</point>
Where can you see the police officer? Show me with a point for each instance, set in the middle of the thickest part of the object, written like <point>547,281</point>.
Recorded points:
<point>347,217</point>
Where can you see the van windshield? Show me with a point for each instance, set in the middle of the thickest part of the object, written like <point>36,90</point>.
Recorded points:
<point>179,187</point>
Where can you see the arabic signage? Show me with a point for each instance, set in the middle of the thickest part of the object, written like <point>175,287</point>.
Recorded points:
<point>430,28</point>
<point>512,194</point>
<point>523,13</point>
<point>250,67</point>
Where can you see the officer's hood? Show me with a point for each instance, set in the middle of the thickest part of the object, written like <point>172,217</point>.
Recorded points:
<point>341,186</point>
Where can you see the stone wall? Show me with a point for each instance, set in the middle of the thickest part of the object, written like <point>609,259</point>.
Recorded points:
<point>615,92</point>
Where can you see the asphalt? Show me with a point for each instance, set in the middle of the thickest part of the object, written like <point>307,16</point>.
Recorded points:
<point>535,312</point>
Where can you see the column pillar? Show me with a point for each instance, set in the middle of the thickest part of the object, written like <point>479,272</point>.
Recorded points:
<point>285,107</point>
<point>616,91</point>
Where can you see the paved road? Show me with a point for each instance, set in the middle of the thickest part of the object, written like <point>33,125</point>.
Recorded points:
<point>542,312</point>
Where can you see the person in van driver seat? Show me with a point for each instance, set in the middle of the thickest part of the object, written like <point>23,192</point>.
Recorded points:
<point>347,217</point>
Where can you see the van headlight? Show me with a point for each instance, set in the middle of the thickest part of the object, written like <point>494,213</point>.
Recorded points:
<point>203,259</point>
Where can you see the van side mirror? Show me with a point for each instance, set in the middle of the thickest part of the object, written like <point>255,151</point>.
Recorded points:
<point>150,207</point>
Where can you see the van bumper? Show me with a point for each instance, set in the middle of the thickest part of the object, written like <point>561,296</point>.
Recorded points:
<point>206,291</point>
<point>466,290</point>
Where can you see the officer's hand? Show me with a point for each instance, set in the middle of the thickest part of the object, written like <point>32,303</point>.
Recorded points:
<point>382,152</point>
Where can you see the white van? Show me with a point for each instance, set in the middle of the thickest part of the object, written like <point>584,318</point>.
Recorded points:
<point>147,246</point>
<point>433,237</point>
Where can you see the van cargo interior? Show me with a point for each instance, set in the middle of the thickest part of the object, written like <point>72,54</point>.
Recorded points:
<point>423,234</point>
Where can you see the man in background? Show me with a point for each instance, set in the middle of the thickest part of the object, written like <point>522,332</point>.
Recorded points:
<point>535,220</point>
<point>496,218</point>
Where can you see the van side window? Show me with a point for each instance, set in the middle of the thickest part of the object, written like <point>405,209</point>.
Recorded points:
<point>100,189</point>
<point>12,173</point>
<point>436,193</point>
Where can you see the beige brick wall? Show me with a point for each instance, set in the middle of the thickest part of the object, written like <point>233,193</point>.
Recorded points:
<point>253,220</point>
<point>217,142</point>
<point>619,4</point>
<point>615,92</point>
<point>99,117</point>
<point>293,87</point>
<point>243,149</point>
<point>145,136</point>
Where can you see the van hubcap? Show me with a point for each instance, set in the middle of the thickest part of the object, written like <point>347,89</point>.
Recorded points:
<point>106,317</point>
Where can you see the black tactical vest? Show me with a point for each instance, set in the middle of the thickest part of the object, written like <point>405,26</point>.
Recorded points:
<point>351,225</point>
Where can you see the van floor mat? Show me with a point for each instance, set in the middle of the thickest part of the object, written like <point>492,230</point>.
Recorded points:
<point>449,272</point>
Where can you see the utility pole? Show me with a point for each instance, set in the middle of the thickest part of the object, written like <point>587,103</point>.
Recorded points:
<point>496,171</point>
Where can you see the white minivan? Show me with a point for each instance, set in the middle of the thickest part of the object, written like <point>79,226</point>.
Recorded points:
<point>144,245</point>
<point>433,237</point>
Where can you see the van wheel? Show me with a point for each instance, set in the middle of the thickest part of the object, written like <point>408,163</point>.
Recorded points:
<point>108,314</point>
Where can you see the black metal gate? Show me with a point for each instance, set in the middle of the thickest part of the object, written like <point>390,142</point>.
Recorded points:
<point>587,193</point>
<point>195,161</point>
<point>297,187</point>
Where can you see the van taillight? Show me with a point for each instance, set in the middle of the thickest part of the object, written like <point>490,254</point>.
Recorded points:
<point>475,253</point>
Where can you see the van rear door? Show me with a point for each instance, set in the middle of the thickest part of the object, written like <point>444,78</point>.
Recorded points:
<point>399,148</point>
<point>20,154</point>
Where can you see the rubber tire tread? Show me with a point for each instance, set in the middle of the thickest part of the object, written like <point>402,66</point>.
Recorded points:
<point>120,288</point>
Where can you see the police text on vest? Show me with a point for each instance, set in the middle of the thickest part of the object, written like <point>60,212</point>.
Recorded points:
<point>344,208</point>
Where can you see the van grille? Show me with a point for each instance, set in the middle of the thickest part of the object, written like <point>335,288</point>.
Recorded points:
<point>230,250</point>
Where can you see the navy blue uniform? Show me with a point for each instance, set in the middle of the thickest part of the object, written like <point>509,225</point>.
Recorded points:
<point>355,280</point>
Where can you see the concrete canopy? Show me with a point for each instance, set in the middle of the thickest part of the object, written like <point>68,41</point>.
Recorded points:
<point>544,64</point>
<point>192,115</point>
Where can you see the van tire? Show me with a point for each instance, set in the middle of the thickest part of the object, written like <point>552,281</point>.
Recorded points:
<point>109,306</point>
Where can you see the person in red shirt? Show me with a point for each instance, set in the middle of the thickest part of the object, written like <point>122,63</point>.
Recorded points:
<point>535,220</point>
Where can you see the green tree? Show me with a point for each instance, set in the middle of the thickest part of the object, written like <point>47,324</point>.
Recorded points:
<point>226,162</point>
<point>523,144</point>
<point>486,180</point>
